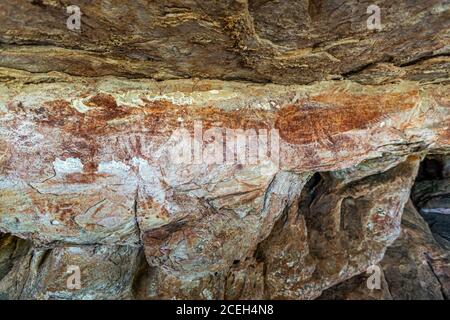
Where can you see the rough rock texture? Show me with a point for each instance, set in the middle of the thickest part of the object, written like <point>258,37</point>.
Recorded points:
<point>93,165</point>
<point>42,273</point>
<point>415,267</point>
<point>431,194</point>
<point>417,264</point>
<point>289,41</point>
<point>121,149</point>
<point>356,289</point>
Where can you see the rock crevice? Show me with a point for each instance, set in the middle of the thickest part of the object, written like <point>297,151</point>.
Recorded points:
<point>237,149</point>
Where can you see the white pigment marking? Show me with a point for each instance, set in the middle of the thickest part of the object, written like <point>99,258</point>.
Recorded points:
<point>68,166</point>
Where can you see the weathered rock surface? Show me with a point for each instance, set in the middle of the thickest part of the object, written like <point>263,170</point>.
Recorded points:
<point>93,164</point>
<point>289,41</point>
<point>415,267</point>
<point>356,288</point>
<point>431,193</point>
<point>258,149</point>
<point>44,273</point>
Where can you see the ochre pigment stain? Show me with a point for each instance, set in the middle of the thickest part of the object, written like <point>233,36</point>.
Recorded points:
<point>326,115</point>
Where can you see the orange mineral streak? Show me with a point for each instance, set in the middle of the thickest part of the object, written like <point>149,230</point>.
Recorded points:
<point>444,137</point>
<point>325,115</point>
<point>319,117</point>
<point>155,117</point>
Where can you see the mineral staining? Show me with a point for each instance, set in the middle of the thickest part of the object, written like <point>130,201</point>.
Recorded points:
<point>211,152</point>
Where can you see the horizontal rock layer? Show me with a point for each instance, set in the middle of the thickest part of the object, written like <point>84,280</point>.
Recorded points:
<point>92,172</point>
<point>237,149</point>
<point>290,41</point>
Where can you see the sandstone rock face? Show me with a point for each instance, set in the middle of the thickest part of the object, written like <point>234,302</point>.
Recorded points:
<point>99,165</point>
<point>431,194</point>
<point>414,267</point>
<point>356,289</point>
<point>292,41</point>
<point>43,273</point>
<point>417,264</point>
<point>222,149</point>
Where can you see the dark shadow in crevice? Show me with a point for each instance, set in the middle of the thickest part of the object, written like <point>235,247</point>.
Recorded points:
<point>431,195</point>
<point>12,248</point>
<point>144,281</point>
<point>431,168</point>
